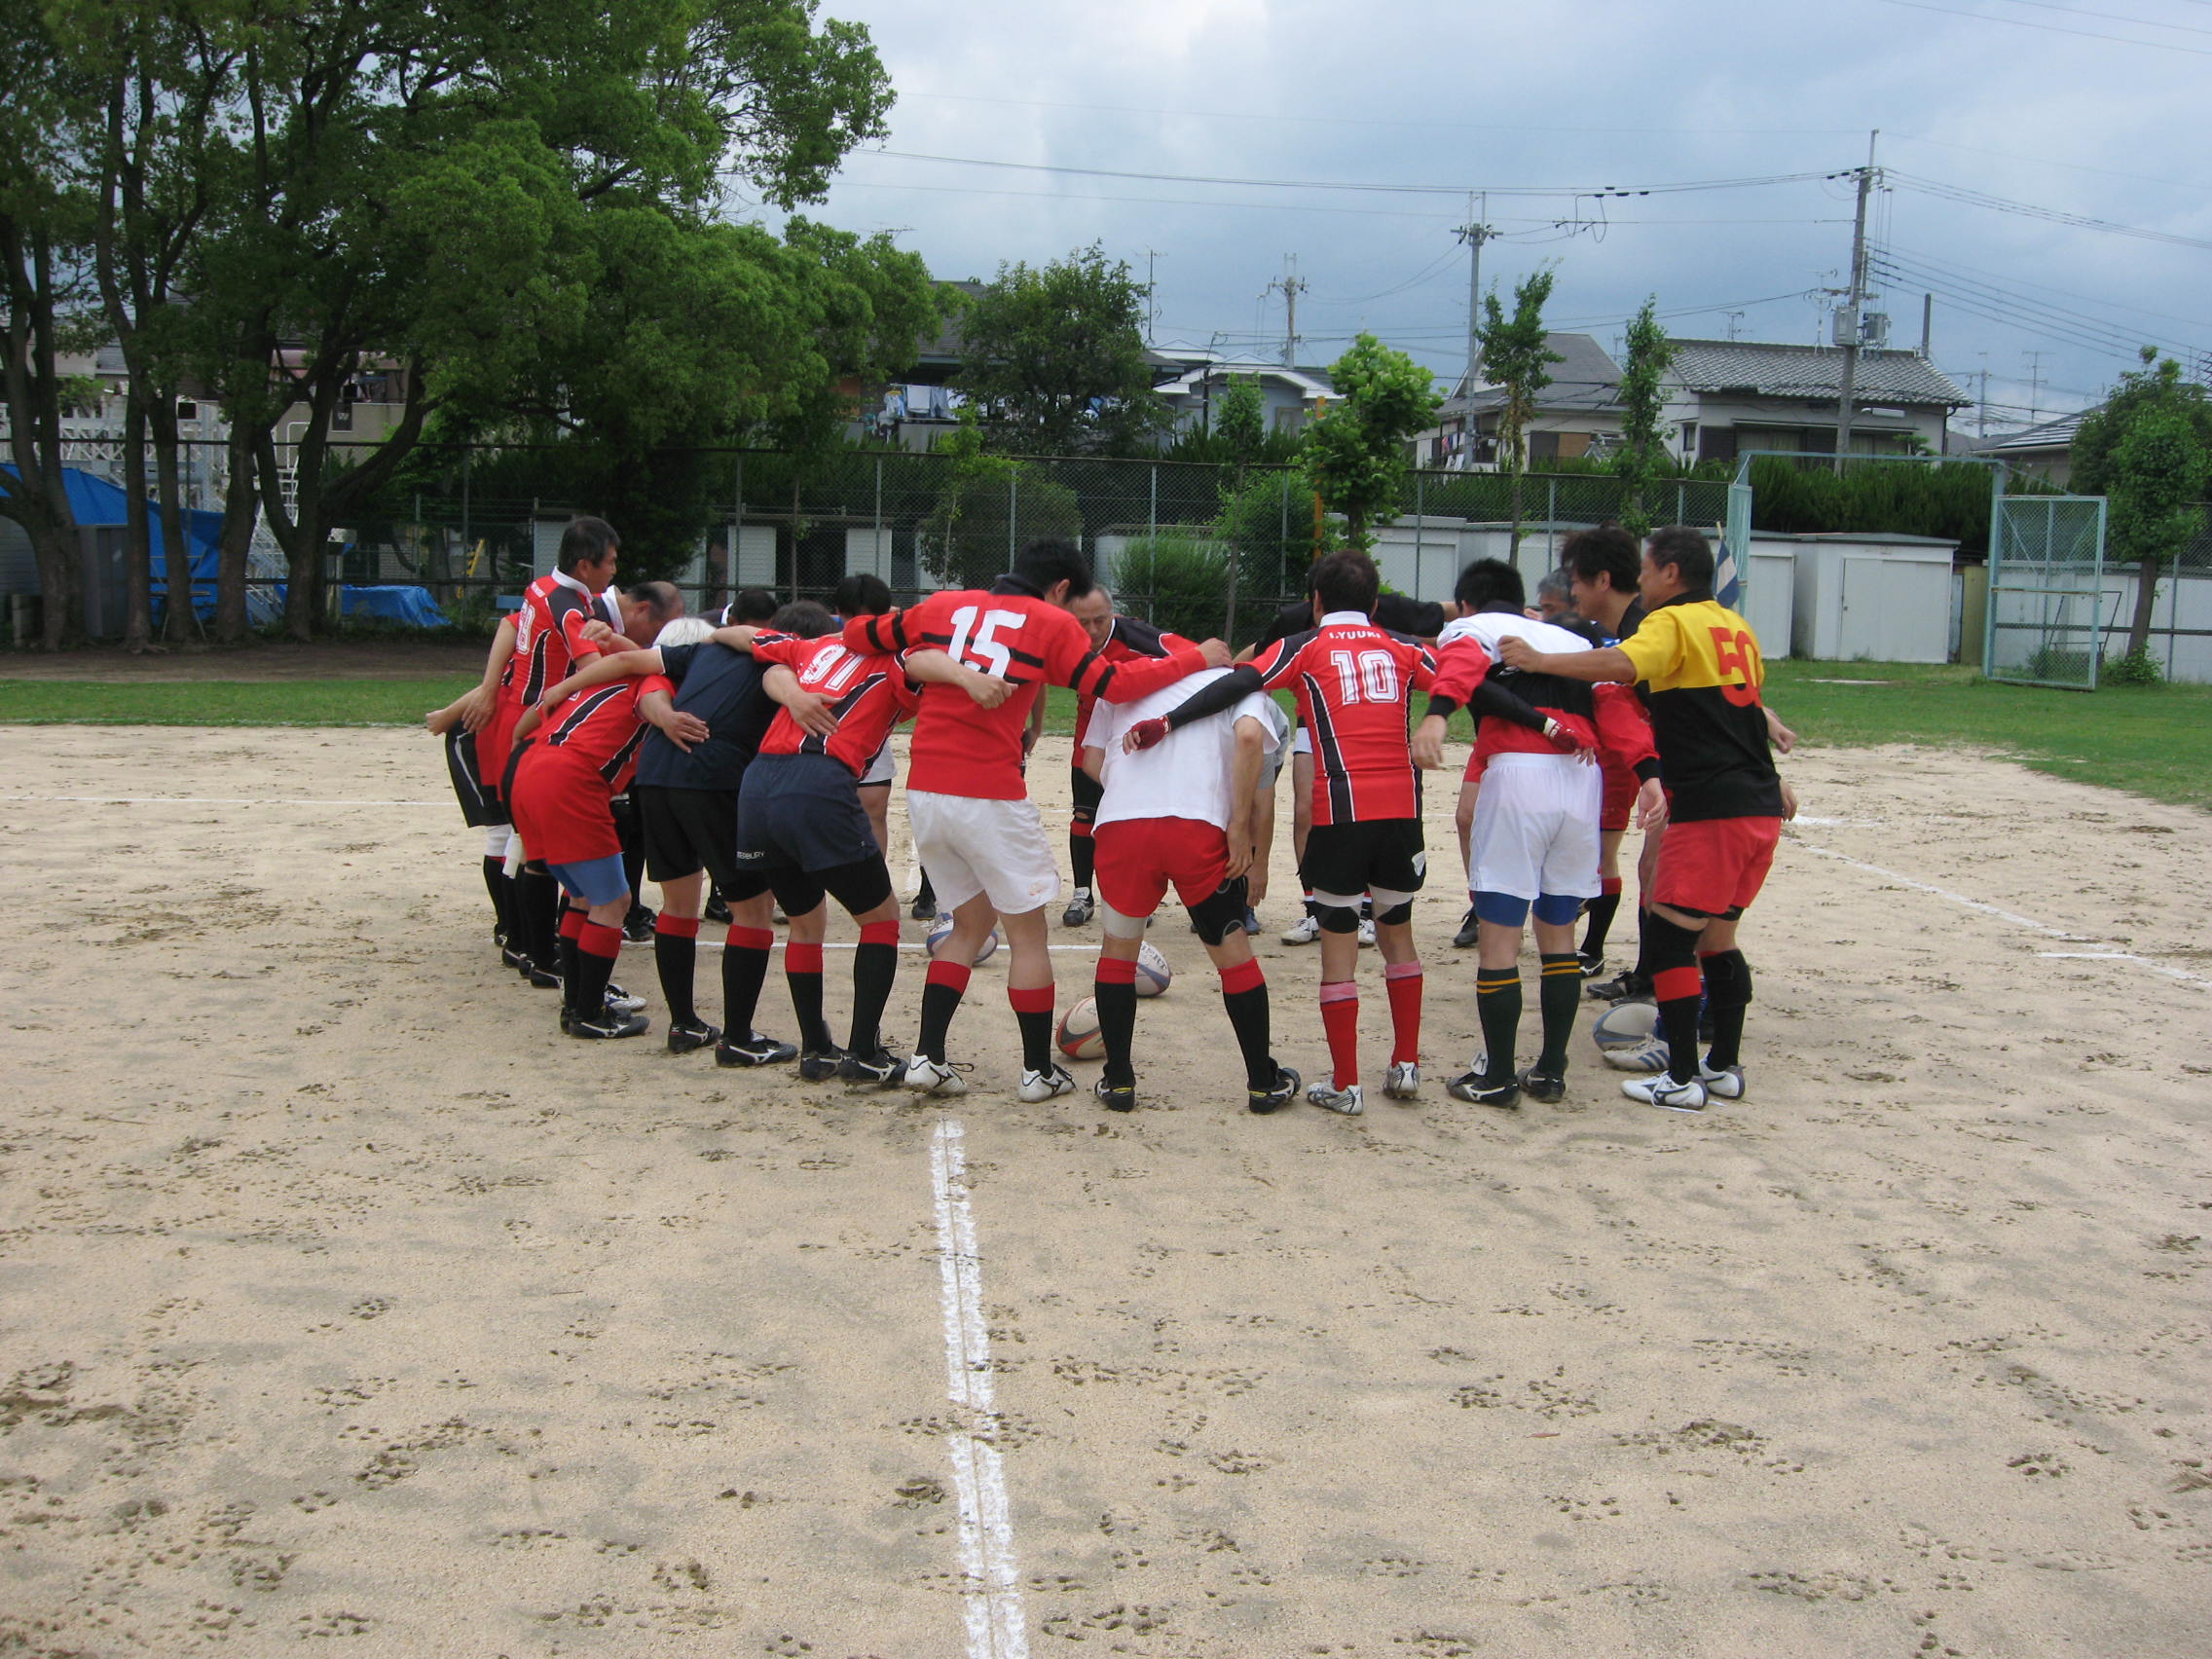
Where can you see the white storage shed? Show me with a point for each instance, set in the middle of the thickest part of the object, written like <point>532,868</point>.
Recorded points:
<point>1886,598</point>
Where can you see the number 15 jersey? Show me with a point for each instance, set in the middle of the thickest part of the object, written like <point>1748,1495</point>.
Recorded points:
<point>1352,681</point>
<point>962,749</point>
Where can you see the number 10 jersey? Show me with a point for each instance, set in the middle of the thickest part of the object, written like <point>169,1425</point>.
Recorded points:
<point>1352,681</point>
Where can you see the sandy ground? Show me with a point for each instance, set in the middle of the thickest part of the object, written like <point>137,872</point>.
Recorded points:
<point>345,1299</point>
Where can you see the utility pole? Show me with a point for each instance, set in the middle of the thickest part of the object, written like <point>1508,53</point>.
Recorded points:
<point>1151,310</point>
<point>1981,418</point>
<point>2035,385</point>
<point>1291,286</point>
<point>1474,232</point>
<point>1848,316</point>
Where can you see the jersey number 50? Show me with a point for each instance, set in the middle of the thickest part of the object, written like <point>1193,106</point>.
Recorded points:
<point>1372,675</point>
<point>1733,651</point>
<point>990,656</point>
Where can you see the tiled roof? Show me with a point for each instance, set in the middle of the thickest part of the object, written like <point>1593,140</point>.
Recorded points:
<point>2052,434</point>
<point>1760,370</point>
<point>1585,378</point>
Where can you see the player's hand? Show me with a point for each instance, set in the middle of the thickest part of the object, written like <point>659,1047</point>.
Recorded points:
<point>1788,802</point>
<point>1143,735</point>
<point>1428,744</point>
<point>475,709</point>
<point>1217,653</point>
<point>987,691</point>
<point>1568,741</point>
<point>439,721</point>
<point>686,730</point>
<point>1651,804</point>
<point>1516,652</point>
<point>1240,850</point>
<point>1780,735</point>
<point>598,633</point>
<point>813,711</point>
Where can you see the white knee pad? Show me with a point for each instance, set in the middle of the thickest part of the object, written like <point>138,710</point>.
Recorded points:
<point>1115,925</point>
<point>496,840</point>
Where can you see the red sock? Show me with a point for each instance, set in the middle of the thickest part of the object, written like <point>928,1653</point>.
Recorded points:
<point>1402,979</point>
<point>1339,1018</point>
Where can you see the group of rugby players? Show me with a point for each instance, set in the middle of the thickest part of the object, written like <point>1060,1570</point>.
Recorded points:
<point>757,754</point>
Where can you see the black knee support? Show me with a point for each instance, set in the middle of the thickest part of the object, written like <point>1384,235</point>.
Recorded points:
<point>1338,918</point>
<point>1396,915</point>
<point>1221,913</point>
<point>1727,979</point>
<point>1672,944</point>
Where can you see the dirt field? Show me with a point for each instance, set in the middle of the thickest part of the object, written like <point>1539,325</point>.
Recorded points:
<point>343,1297</point>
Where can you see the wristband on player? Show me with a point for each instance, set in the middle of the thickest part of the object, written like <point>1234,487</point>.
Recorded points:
<point>1145,733</point>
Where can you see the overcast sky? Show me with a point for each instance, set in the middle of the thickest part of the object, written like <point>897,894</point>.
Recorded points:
<point>2042,104</point>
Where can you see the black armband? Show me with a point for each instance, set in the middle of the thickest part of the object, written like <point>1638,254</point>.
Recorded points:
<point>1441,707</point>
<point>1646,770</point>
<point>1224,693</point>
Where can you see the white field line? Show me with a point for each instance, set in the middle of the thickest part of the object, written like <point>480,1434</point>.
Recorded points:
<point>2004,915</point>
<point>997,1625</point>
<point>215,800</point>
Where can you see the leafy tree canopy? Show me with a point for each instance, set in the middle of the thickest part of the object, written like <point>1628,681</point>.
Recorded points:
<point>1056,360</point>
<point>1355,449</point>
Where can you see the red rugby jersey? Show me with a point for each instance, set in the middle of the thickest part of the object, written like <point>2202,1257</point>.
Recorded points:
<point>963,748</point>
<point>599,729</point>
<point>871,695</point>
<point>1352,681</point>
<point>1130,640</point>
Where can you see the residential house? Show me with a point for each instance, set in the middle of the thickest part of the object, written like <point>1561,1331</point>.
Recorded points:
<point>1726,396</point>
<point>2044,450</point>
<point>1578,414</point>
<point>1188,380</point>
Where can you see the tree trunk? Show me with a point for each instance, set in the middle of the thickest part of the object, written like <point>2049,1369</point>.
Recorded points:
<point>1513,542</point>
<point>241,508</point>
<point>300,533</point>
<point>137,550</point>
<point>182,621</point>
<point>2146,597</point>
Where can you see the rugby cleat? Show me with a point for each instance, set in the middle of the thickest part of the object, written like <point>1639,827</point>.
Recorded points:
<point>1251,920</point>
<point>1049,1085</point>
<point>925,1075</point>
<point>879,1069</point>
<point>1723,1083</point>
<point>1625,986</point>
<point>1118,1096</point>
<point>1079,910</point>
<point>515,959</point>
<point>717,909</point>
<point>1305,931</point>
<point>1648,1056</point>
<point>1476,1091</point>
<point>819,1065</point>
<point>754,1051</point>
<point>692,1034</point>
<point>543,980</point>
<point>1470,929</point>
<point>1546,1086</point>
<point>1276,1097</point>
<point>1663,1091</point>
<point>637,925</point>
<point>606,1022</point>
<point>924,908</point>
<point>622,1001</point>
<point>1346,1103</point>
<point>1402,1082</point>
<point>1592,966</point>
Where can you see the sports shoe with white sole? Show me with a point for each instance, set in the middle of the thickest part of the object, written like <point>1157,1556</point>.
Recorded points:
<point>1402,1082</point>
<point>1274,1099</point>
<point>1050,1084</point>
<point>1547,1087</point>
<point>1664,1092</point>
<point>1330,1098</point>
<point>1725,1083</point>
<point>608,1022</point>
<point>819,1065</point>
<point>1505,1097</point>
<point>877,1070</point>
<point>925,1075</point>
<point>1367,930</point>
<point>754,1050</point>
<point>622,1001</point>
<point>1623,987</point>
<point>1305,931</point>
<point>1648,1056</point>
<point>1118,1096</point>
<point>1080,907</point>
<point>694,1034</point>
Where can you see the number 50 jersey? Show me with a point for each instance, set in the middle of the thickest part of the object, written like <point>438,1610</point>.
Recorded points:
<point>961,748</point>
<point>1352,681</point>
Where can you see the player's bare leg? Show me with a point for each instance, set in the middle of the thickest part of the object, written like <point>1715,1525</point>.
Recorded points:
<point>1637,982</point>
<point>1263,845</point>
<point>1308,927</point>
<point>1464,821</point>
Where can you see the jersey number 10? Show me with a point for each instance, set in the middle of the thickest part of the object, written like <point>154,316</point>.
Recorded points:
<point>1369,674</point>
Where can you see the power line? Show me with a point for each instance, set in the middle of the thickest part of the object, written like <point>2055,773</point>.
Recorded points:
<point>2047,160</point>
<point>2055,215</point>
<point>2110,17</point>
<point>2045,287</point>
<point>2121,336</point>
<point>2051,29</point>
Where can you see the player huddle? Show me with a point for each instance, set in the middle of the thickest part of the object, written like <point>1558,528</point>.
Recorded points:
<point>757,756</point>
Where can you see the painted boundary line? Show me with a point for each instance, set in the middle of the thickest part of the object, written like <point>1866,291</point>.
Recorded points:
<point>213,800</point>
<point>997,1625</point>
<point>2005,915</point>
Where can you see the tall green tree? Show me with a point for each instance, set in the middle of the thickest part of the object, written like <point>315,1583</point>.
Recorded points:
<point>2148,447</point>
<point>1643,454</point>
<point>1055,359</point>
<point>1355,449</point>
<point>1517,360</point>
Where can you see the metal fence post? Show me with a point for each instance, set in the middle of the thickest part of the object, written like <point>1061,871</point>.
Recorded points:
<point>1551,525</point>
<point>882,559</point>
<point>1013,511</point>
<point>1152,513</point>
<point>1681,506</point>
<point>465,457</point>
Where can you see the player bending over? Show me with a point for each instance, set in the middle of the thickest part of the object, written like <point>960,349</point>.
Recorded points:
<point>976,829</point>
<point>1534,842</point>
<point>1179,813</point>
<point>1703,671</point>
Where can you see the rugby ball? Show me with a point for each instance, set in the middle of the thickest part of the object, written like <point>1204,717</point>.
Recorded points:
<point>1629,1037</point>
<point>1152,972</point>
<point>1079,1037</point>
<point>941,928</point>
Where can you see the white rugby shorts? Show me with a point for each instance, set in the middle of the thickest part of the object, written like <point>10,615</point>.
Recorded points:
<point>993,847</point>
<point>881,767</point>
<point>1535,828</point>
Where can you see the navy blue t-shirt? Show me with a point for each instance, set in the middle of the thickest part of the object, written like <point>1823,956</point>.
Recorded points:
<point>722,687</point>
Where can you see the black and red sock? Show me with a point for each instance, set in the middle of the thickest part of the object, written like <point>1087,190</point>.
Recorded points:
<point>745,969</point>
<point>1033,1012</point>
<point>876,964</point>
<point>1115,987</point>
<point>1244,996</point>
<point>802,971</point>
<point>943,987</point>
<point>675,955</point>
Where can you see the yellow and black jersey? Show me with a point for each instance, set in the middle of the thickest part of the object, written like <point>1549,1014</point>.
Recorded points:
<point>1701,673</point>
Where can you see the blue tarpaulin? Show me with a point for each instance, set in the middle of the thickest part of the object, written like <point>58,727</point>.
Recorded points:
<point>96,503</point>
<point>412,605</point>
